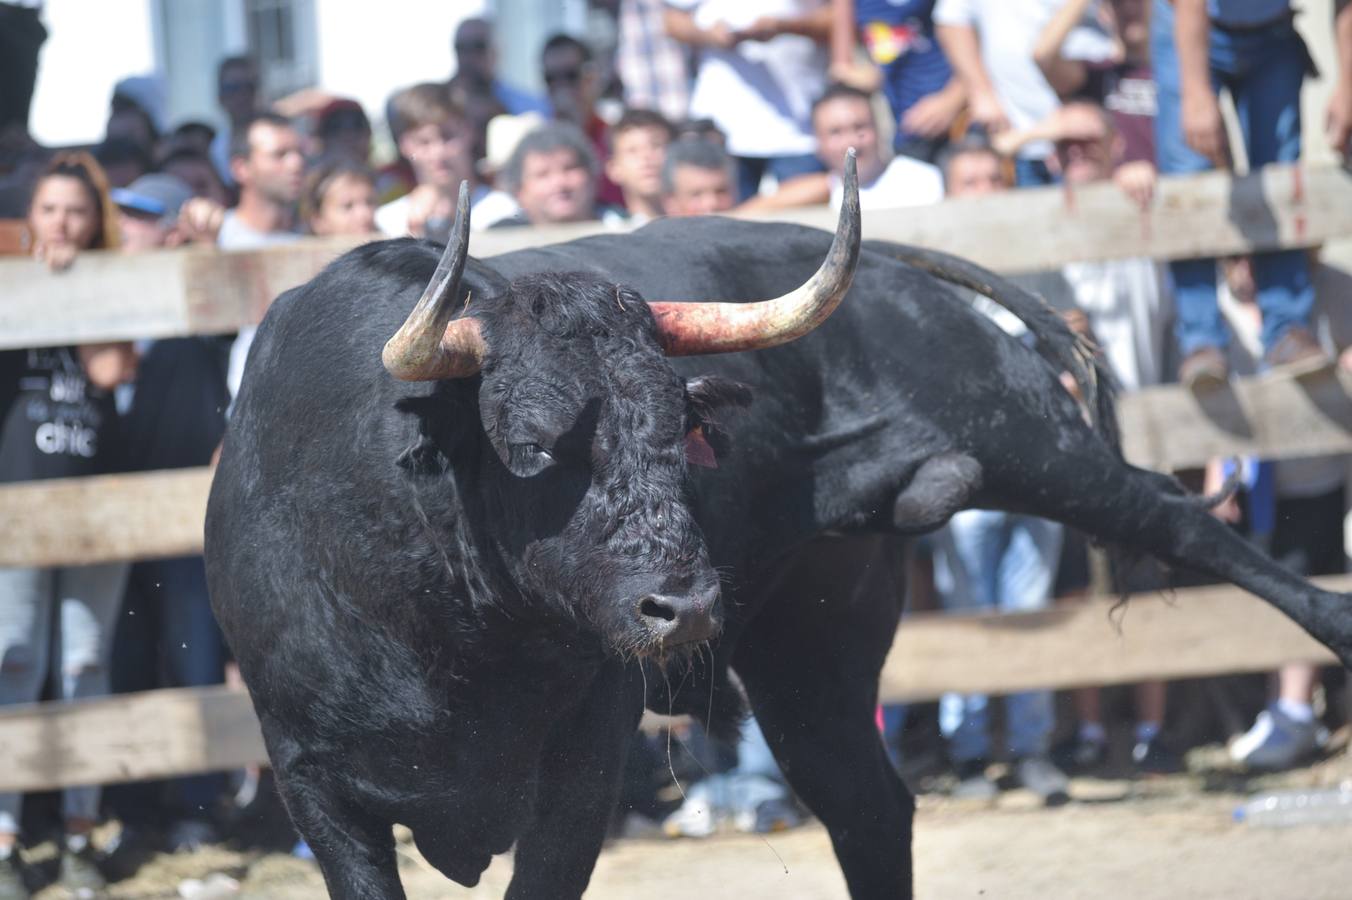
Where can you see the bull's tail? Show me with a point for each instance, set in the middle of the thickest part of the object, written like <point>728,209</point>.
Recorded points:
<point>1060,346</point>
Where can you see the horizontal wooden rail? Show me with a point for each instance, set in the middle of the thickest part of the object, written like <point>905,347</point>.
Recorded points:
<point>1273,416</point>
<point>108,296</point>
<point>1195,632</point>
<point>79,521</point>
<point>159,514</point>
<point>1201,631</point>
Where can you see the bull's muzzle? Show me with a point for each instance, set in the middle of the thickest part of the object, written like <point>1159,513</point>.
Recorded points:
<point>681,618</point>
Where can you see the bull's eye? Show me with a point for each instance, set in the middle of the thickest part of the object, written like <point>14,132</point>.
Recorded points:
<point>530,459</point>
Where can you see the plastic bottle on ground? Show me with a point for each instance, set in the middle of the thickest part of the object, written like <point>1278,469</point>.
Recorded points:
<point>1312,806</point>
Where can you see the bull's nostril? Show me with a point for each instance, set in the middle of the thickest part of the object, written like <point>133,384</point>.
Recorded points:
<point>654,608</point>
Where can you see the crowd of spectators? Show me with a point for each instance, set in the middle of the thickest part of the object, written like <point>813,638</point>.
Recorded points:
<point>715,105</point>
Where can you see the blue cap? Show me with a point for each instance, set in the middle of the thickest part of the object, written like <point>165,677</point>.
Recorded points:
<point>156,195</point>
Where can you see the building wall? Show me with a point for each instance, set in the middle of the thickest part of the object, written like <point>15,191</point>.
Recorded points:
<point>92,44</point>
<point>368,56</point>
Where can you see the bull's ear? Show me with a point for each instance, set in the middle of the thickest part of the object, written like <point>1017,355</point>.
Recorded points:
<point>706,439</point>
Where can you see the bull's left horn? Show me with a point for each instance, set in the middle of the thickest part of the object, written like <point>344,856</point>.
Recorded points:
<point>429,346</point>
<point>685,329</point>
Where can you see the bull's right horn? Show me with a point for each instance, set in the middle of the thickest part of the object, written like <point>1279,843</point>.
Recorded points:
<point>429,346</point>
<point>685,329</point>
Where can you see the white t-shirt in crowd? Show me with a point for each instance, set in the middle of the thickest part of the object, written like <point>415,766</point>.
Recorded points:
<point>759,93</point>
<point>905,182</point>
<point>1008,30</point>
<point>486,208</point>
<point>235,235</point>
<point>1130,310</point>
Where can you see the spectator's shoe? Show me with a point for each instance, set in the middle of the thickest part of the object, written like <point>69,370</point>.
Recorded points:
<point>1277,741</point>
<point>1039,775</point>
<point>1203,370</point>
<point>1298,351</point>
<point>80,873</point>
<point>973,783</point>
<point>768,817</point>
<point>1079,754</point>
<point>696,818</point>
<point>12,885</point>
<point>1155,757</point>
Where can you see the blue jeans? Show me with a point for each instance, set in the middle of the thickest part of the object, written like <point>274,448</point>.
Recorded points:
<point>1262,70</point>
<point>751,169</point>
<point>990,560</point>
<point>82,602</point>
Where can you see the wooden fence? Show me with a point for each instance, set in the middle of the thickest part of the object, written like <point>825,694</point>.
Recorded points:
<point>1204,631</point>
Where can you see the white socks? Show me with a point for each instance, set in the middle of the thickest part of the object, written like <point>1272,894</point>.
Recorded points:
<point>1297,711</point>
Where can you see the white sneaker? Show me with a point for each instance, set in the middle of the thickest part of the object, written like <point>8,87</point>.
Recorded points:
<point>1277,741</point>
<point>696,818</point>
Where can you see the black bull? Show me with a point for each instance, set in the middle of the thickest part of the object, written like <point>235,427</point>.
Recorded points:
<point>406,668</point>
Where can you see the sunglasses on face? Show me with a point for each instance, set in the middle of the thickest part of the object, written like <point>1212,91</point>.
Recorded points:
<point>471,47</point>
<point>563,76</point>
<point>238,87</point>
<point>344,123</point>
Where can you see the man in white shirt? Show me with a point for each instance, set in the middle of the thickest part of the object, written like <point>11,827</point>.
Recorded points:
<point>990,45</point>
<point>267,164</point>
<point>843,118</point>
<point>762,62</point>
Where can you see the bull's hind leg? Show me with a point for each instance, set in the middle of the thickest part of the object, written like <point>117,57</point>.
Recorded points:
<point>579,785</point>
<point>1120,504</point>
<point>355,850</point>
<point>810,661</point>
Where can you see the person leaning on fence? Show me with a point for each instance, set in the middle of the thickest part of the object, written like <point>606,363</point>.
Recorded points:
<point>638,146</point>
<point>552,175</point>
<point>698,179</point>
<point>58,419</point>
<point>268,167</point>
<point>1295,509</point>
<point>843,118</point>
<point>167,637</point>
<point>433,133</point>
<point>1250,48</point>
<point>339,197</point>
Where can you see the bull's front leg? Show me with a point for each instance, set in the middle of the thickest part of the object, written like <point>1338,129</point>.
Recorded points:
<point>580,774</point>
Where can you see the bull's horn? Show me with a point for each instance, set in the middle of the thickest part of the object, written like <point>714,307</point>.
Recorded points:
<point>685,329</point>
<point>429,346</point>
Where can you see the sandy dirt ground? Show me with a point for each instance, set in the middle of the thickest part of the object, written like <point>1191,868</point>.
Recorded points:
<point>1160,838</point>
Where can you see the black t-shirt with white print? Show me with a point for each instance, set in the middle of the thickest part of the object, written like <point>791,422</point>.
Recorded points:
<point>53,422</point>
